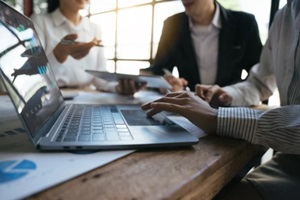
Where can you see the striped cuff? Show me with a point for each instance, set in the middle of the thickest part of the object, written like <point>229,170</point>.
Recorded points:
<point>237,122</point>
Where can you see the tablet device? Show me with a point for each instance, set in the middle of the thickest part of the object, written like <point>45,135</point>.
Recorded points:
<point>152,81</point>
<point>69,95</point>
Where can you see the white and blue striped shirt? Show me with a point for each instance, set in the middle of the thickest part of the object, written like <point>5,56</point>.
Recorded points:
<point>279,67</point>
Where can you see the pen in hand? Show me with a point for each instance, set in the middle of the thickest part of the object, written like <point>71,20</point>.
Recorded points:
<point>166,71</point>
<point>70,42</point>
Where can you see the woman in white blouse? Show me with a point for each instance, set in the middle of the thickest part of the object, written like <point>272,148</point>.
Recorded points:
<point>69,61</point>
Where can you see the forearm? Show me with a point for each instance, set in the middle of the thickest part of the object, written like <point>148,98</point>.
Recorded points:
<point>60,54</point>
<point>259,86</point>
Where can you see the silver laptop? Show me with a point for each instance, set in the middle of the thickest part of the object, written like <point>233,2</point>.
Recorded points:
<point>53,125</point>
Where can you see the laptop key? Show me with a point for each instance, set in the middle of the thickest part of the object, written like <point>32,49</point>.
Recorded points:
<point>117,118</point>
<point>124,133</point>
<point>98,131</point>
<point>85,129</point>
<point>99,137</point>
<point>112,135</point>
<point>85,132</point>
<point>69,139</point>
<point>126,138</point>
<point>121,126</point>
<point>84,138</point>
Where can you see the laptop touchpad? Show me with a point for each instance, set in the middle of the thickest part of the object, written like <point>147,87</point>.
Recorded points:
<point>138,118</point>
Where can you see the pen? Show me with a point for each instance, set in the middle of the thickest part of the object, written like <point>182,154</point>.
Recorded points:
<point>167,72</point>
<point>70,42</point>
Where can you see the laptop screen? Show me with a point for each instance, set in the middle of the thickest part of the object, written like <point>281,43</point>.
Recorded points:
<point>25,72</point>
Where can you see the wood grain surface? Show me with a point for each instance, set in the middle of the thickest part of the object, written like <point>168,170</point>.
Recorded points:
<point>197,172</point>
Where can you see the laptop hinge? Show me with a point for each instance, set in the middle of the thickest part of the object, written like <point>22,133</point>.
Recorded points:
<point>50,122</point>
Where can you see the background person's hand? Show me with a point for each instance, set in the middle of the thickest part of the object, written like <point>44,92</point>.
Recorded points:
<point>188,105</point>
<point>177,84</point>
<point>77,50</point>
<point>129,86</point>
<point>213,94</point>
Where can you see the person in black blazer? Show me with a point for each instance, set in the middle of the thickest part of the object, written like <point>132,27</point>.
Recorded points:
<point>239,44</point>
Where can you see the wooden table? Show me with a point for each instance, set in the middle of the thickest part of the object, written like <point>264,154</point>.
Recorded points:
<point>197,172</point>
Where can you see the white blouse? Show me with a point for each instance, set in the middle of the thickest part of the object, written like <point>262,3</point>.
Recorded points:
<point>51,28</point>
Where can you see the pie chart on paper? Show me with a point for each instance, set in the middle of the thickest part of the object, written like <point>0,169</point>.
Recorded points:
<point>11,170</point>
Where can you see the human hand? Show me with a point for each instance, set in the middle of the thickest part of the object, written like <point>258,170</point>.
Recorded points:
<point>129,86</point>
<point>75,49</point>
<point>177,84</point>
<point>188,105</point>
<point>213,94</point>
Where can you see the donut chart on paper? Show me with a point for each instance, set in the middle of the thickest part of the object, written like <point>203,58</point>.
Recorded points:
<point>15,169</point>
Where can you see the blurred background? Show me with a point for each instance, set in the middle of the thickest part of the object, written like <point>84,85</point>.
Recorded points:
<point>132,28</point>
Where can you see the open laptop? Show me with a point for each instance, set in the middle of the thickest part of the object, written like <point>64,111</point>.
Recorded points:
<point>53,125</point>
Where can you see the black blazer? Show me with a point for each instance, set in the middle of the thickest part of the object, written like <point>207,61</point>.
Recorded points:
<point>239,47</point>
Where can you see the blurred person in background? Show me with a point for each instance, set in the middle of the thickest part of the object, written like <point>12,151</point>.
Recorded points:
<point>208,44</point>
<point>73,44</point>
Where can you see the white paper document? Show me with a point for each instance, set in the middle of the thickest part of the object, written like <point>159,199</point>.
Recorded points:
<point>25,171</point>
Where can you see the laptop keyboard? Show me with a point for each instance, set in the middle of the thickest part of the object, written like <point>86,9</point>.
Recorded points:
<point>93,123</point>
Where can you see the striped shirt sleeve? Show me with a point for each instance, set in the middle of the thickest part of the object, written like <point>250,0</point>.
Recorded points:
<point>277,128</point>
